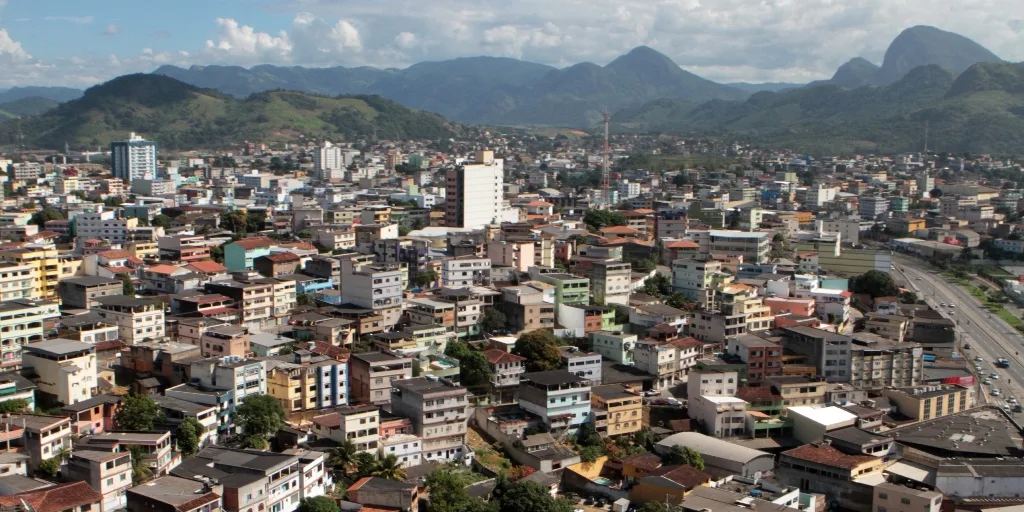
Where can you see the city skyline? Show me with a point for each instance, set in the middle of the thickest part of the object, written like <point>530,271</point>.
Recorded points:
<point>82,43</point>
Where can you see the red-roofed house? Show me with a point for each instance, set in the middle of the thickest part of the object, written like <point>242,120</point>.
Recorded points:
<point>277,264</point>
<point>820,468</point>
<point>678,249</point>
<point>507,368</point>
<point>623,232</point>
<point>239,255</point>
<point>208,268</point>
<point>668,484</point>
<point>76,496</point>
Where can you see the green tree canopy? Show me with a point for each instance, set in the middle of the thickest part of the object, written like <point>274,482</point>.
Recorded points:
<point>875,283</point>
<point>526,496</point>
<point>187,435</point>
<point>162,221</point>
<point>474,370</point>
<point>425,278</point>
<point>259,417</point>
<point>389,467</point>
<point>599,219</point>
<point>540,348</point>
<point>318,504</point>
<point>448,493</point>
<point>127,286</point>
<point>685,455</point>
<point>493,320</point>
<point>138,412</point>
<point>39,218</point>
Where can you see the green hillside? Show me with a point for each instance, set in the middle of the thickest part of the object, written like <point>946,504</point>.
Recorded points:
<point>178,115</point>
<point>982,110</point>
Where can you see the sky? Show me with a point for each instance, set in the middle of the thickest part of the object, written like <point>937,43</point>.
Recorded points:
<point>83,42</point>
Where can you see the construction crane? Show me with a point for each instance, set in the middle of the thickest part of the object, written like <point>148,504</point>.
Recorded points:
<point>606,198</point>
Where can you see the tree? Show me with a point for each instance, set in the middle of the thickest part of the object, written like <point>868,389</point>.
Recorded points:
<point>474,370</point>
<point>16,405</point>
<point>658,285</point>
<point>540,348</point>
<point>318,504</point>
<point>254,221</point>
<point>366,465</point>
<point>50,467</point>
<point>138,412</point>
<point>599,219</point>
<point>187,435</point>
<point>516,473</point>
<point>590,453</point>
<point>39,218</point>
<point>162,221</point>
<point>140,468</point>
<point>127,286</point>
<point>908,297</point>
<point>259,417</point>
<point>403,230</point>
<point>587,435</point>
<point>341,457</point>
<point>493,320</point>
<point>113,201</point>
<point>389,467</point>
<point>526,496</point>
<point>217,253</point>
<point>425,278</point>
<point>685,455</point>
<point>653,506</point>
<point>875,283</point>
<point>234,222</point>
<point>448,493</point>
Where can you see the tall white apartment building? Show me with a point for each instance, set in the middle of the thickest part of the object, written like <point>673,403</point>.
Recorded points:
<point>329,160</point>
<point>134,158</point>
<point>104,226</point>
<point>474,192</point>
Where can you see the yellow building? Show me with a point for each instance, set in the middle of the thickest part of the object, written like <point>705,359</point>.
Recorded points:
<point>929,402</point>
<point>616,410</point>
<point>668,484</point>
<point>296,386</point>
<point>49,267</point>
<point>143,250</point>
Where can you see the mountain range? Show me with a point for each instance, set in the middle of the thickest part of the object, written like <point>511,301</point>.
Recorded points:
<point>179,115</point>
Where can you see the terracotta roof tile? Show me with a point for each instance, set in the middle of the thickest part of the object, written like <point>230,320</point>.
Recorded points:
<point>495,356</point>
<point>55,499</point>
<point>163,269</point>
<point>828,456</point>
<point>254,243</point>
<point>206,267</point>
<point>682,244</point>
<point>282,257</point>
<point>115,255</point>
<point>621,230</point>
<point>687,476</point>
<point>645,461</point>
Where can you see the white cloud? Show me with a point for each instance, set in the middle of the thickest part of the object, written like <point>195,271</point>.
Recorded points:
<point>11,51</point>
<point>78,20</point>
<point>317,41</point>
<point>242,44</point>
<point>111,30</point>
<point>405,40</point>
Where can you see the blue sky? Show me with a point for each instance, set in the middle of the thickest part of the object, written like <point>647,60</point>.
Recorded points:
<point>83,42</point>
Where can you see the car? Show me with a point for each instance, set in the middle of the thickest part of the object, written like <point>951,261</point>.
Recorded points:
<point>1012,399</point>
<point>967,346</point>
<point>995,392</point>
<point>952,305</point>
<point>943,304</point>
<point>979,359</point>
<point>993,376</point>
<point>987,382</point>
<point>917,279</point>
<point>651,392</point>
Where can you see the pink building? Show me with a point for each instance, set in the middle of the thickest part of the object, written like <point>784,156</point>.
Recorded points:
<point>797,306</point>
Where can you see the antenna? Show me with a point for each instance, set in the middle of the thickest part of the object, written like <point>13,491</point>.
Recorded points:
<point>926,136</point>
<point>606,197</point>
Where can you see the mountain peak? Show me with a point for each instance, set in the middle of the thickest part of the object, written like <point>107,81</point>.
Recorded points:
<point>643,56</point>
<point>922,44</point>
<point>856,72</point>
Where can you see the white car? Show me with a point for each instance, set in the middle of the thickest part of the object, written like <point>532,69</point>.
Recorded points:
<point>987,382</point>
<point>994,376</point>
<point>979,359</point>
<point>995,392</point>
<point>942,304</point>
<point>1012,399</point>
<point>952,305</point>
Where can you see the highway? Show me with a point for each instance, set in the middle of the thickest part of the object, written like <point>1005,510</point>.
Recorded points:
<point>990,337</point>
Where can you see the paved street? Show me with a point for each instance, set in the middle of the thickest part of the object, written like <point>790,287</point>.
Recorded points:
<point>989,336</point>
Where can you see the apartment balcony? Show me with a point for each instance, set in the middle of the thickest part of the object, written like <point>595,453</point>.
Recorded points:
<point>446,418</point>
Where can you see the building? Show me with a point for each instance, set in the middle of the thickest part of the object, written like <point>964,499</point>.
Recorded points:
<point>753,247</point>
<point>721,457</point>
<point>507,370</point>
<point>73,496</point>
<point>697,280</point>
<point>133,159</point>
<point>616,410</point>
<point>581,363</point>
<point>158,453</point>
<point>48,266</point>
<point>373,375</point>
<point>870,207</point>
<point>66,369</point>
<point>439,413</point>
<point>16,282</point>
<point>329,160</point>
<point>373,286</point>
<point>615,346</point>
<point>212,376</point>
<point>668,485</point>
<point>359,424</point>
<point>108,473</point>
<point>375,493</point>
<point>889,497</point>
<point>569,289</point>
<point>820,468</point>
<point>224,340</point>
<point>474,192</point>
<point>763,357</point>
<point>829,352</point>
<point>137,319</point>
<point>658,359</point>
<point>174,494</point>
<point>465,271</point>
<point>240,254</point>
<point>561,399</point>
<point>928,402</point>
<point>43,437</point>
<point>82,292</point>
<point>255,300</point>
<point>610,282</point>
<point>876,362</point>
<point>304,382</point>
<point>22,322</point>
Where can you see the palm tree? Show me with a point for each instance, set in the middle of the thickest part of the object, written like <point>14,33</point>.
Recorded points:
<point>341,457</point>
<point>140,468</point>
<point>388,467</point>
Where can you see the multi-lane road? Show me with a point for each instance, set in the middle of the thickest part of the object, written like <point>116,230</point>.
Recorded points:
<point>990,337</point>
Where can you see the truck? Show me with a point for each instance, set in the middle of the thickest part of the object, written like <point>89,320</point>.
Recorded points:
<point>1003,362</point>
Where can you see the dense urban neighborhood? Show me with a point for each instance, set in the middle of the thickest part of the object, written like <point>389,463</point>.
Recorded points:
<point>509,321</point>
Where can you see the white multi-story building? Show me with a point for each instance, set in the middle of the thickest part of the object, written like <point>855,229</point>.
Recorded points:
<point>241,377</point>
<point>468,271</point>
<point>378,287</point>
<point>357,423</point>
<point>329,161</point>
<point>133,159</point>
<point>656,358</point>
<point>610,282</point>
<point>475,192</point>
<point>104,225</point>
<point>22,322</point>
<point>439,413</point>
<point>137,319</point>
<point>407,448</point>
<point>66,369</point>
<point>16,281</point>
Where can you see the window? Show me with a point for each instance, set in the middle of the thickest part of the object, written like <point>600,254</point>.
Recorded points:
<point>905,501</point>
